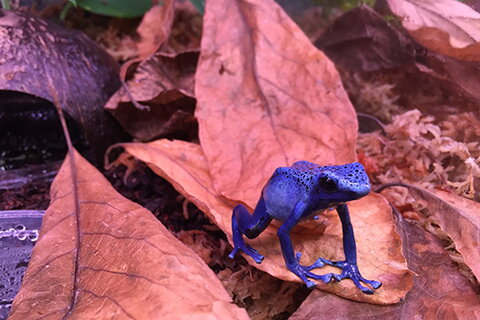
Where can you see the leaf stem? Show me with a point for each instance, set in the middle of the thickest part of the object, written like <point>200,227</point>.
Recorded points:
<point>393,184</point>
<point>71,156</point>
<point>65,10</point>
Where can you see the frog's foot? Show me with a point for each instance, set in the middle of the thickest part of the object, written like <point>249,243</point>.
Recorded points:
<point>317,264</point>
<point>350,270</point>
<point>248,250</point>
<point>303,272</point>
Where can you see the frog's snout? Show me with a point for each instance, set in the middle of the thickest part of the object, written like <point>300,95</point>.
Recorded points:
<point>354,190</point>
<point>362,190</point>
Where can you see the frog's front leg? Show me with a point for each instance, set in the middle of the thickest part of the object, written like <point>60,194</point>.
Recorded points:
<point>250,225</point>
<point>292,261</point>
<point>349,265</point>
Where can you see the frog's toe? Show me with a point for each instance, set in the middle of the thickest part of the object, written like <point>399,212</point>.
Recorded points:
<point>248,250</point>
<point>317,264</point>
<point>324,277</point>
<point>233,253</point>
<point>257,257</point>
<point>351,271</point>
<point>338,264</point>
<point>375,284</point>
<point>361,287</point>
<point>335,276</point>
<point>310,284</point>
<point>298,256</point>
<point>253,253</point>
<point>304,273</point>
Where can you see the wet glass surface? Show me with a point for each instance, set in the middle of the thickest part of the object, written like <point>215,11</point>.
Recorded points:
<point>19,231</point>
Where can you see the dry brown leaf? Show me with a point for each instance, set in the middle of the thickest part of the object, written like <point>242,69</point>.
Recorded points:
<point>439,291</point>
<point>459,218</point>
<point>162,82</point>
<point>460,78</point>
<point>266,98</point>
<point>362,41</point>
<point>101,256</point>
<point>153,31</point>
<point>158,75</point>
<point>155,28</point>
<point>186,31</point>
<point>165,84</point>
<point>271,297</point>
<point>379,247</point>
<point>446,26</point>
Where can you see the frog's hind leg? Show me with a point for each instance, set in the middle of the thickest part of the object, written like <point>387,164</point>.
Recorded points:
<point>250,225</point>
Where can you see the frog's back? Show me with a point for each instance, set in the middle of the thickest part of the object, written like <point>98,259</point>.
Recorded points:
<point>305,166</point>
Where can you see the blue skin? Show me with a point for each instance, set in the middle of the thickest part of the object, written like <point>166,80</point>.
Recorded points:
<point>297,193</point>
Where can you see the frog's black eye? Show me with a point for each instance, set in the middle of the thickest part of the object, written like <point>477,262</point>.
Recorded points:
<point>328,185</point>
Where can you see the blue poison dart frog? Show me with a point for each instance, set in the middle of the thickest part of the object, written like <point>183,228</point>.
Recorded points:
<point>297,193</point>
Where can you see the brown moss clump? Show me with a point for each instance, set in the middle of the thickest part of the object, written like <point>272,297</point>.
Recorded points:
<point>416,149</point>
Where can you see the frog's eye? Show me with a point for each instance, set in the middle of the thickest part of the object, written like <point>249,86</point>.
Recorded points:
<point>328,185</point>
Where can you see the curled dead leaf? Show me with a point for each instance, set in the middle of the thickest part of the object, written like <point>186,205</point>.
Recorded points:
<point>379,247</point>
<point>165,84</point>
<point>458,217</point>
<point>361,40</point>
<point>155,28</point>
<point>186,31</point>
<point>157,76</point>
<point>445,26</point>
<point>459,78</point>
<point>266,98</point>
<point>439,290</point>
<point>37,54</point>
<point>153,31</point>
<point>162,82</point>
<point>101,256</point>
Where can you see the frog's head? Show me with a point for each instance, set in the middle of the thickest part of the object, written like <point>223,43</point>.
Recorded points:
<point>344,182</point>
